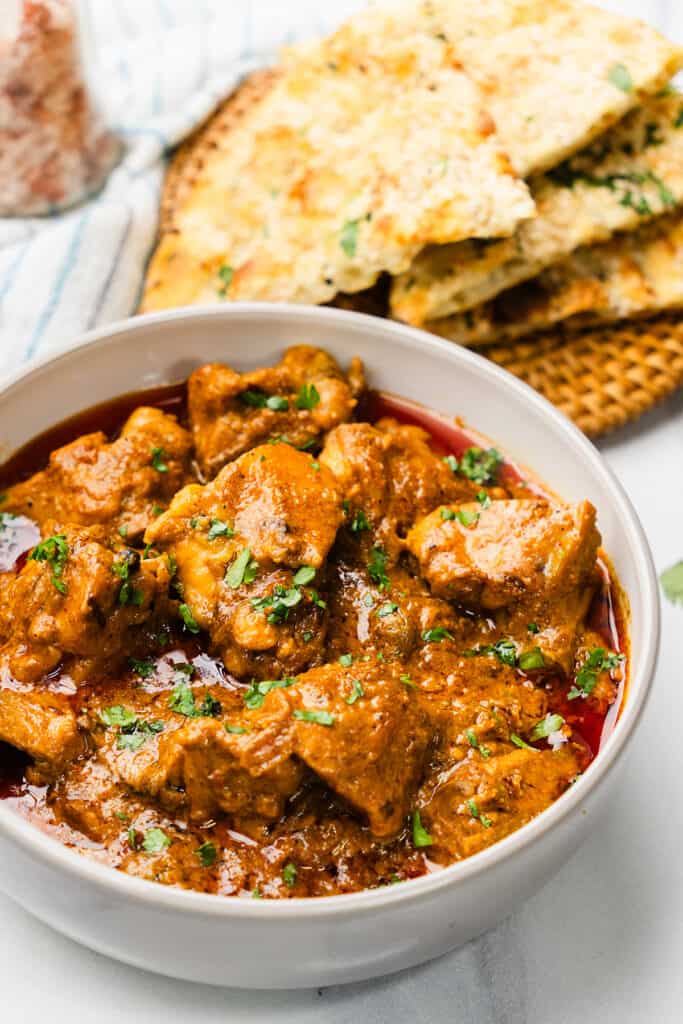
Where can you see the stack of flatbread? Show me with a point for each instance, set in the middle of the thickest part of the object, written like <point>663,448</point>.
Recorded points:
<point>501,166</point>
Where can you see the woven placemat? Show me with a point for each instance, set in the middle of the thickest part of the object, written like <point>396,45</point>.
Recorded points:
<point>603,377</point>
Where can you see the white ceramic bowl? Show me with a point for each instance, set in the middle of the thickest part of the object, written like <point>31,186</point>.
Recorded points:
<point>298,942</point>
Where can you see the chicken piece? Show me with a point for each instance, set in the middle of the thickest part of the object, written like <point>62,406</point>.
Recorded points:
<point>298,399</point>
<point>238,543</point>
<point>481,800</point>
<point>364,619</point>
<point>390,474</point>
<point>364,732</point>
<point>79,603</point>
<point>488,558</point>
<point>119,485</point>
<point>553,625</point>
<point>200,767</point>
<point>44,726</point>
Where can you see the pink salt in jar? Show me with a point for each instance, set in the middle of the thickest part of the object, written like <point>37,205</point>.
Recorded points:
<point>54,146</point>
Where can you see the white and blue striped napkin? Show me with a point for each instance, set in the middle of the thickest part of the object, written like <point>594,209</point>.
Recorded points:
<point>160,67</point>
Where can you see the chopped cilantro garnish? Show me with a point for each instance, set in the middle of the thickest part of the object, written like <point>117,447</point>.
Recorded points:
<point>134,733</point>
<point>289,874</point>
<point>304,575</point>
<point>219,529</point>
<point>158,456</point>
<point>315,466</point>
<point>547,725</point>
<point>155,840</point>
<point>437,634</point>
<point>348,237</point>
<point>451,462</point>
<point>356,692</point>
<point>359,522</point>
<point>317,717</point>
<point>182,701</point>
<point>447,513</point>
<point>476,813</point>
<point>407,681</point>
<point>128,594</point>
<point>481,466</point>
<point>532,627</point>
<point>475,744</point>
<point>55,551</point>
<point>253,697</point>
<point>504,650</point>
<point>241,570</point>
<point>467,518</point>
<point>587,676</point>
<point>280,602</point>
<point>225,273</point>
<point>483,499</point>
<point>308,397</point>
<point>236,730</point>
<point>122,530</point>
<point>207,854</point>
<point>620,76</point>
<point>346,660</point>
<point>529,660</point>
<point>388,608</point>
<point>377,567</point>
<point>421,836</point>
<point>519,742</point>
<point>277,403</point>
<point>188,618</point>
<point>117,714</point>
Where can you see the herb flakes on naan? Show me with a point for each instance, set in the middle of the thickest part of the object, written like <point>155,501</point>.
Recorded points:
<point>627,176</point>
<point>365,149</point>
<point>633,275</point>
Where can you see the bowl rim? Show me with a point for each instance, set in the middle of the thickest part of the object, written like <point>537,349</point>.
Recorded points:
<point>50,850</point>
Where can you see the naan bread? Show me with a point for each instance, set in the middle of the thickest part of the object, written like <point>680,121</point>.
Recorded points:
<point>629,175</point>
<point>634,275</point>
<point>555,73</point>
<point>365,149</point>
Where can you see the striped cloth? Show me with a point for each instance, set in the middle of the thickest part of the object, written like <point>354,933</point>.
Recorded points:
<point>161,66</point>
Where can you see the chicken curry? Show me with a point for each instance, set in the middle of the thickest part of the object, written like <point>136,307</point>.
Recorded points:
<point>271,634</point>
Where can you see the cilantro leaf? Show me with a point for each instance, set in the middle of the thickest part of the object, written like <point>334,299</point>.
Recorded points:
<point>318,717</point>
<point>672,582</point>
<point>308,397</point>
<point>421,836</point>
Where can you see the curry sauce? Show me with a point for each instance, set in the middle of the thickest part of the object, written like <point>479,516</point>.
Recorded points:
<point>274,634</point>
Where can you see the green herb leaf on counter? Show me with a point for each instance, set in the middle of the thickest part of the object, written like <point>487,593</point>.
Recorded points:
<point>317,717</point>
<point>308,397</point>
<point>672,579</point>
<point>158,456</point>
<point>620,76</point>
<point>55,551</point>
<point>421,836</point>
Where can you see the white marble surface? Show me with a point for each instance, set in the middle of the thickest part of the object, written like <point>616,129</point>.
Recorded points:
<point>601,943</point>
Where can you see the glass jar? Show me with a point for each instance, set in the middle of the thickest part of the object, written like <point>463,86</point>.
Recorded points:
<point>54,146</point>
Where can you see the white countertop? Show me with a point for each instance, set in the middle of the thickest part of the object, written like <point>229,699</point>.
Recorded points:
<point>601,943</point>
